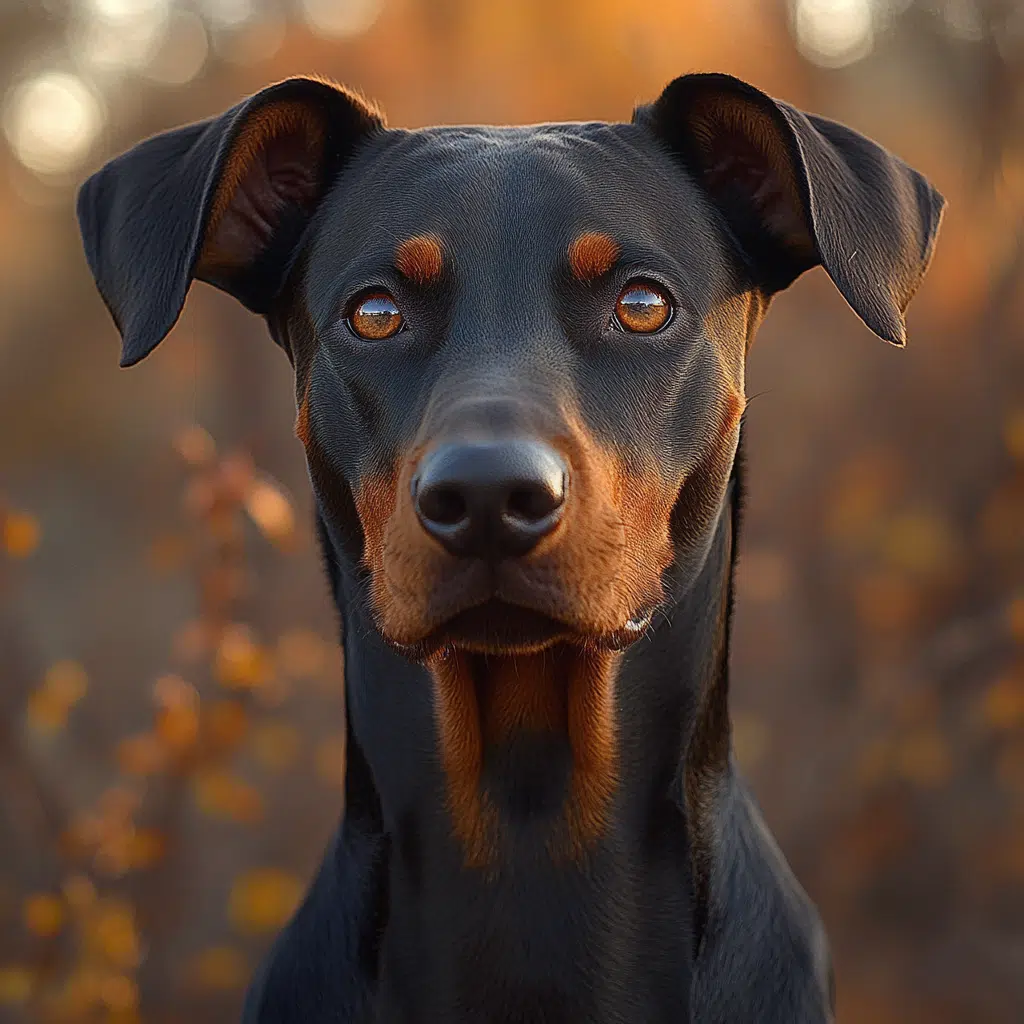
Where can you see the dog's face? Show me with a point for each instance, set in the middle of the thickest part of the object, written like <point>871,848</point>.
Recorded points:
<point>519,352</point>
<point>509,374</point>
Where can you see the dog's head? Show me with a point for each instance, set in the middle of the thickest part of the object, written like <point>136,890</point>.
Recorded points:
<point>519,352</point>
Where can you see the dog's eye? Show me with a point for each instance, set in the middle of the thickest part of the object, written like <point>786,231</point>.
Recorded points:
<point>374,315</point>
<point>642,308</point>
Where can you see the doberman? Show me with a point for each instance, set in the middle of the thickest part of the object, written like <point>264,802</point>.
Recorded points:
<point>519,372</point>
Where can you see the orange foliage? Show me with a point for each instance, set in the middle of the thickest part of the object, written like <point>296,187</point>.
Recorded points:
<point>158,731</point>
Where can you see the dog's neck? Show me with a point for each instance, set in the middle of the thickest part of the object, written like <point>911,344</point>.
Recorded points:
<point>636,875</point>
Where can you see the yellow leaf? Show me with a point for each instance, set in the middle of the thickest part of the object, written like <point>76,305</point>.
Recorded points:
<point>195,445</point>
<point>235,477</point>
<point>919,542</point>
<point>67,680</point>
<point>122,1017</point>
<point>112,932</point>
<point>221,968</point>
<point>226,722</point>
<point>141,755</point>
<point>82,991</point>
<point>271,511</point>
<point>63,686</point>
<point>20,533</point>
<point>171,691</point>
<point>144,847</point>
<point>177,722</point>
<point>16,984</point>
<point>177,727</point>
<point>263,900</point>
<point>221,795</point>
<point>46,713</point>
<point>119,993</point>
<point>43,914</point>
<point>241,663</point>
<point>1002,705</point>
<point>1013,433</point>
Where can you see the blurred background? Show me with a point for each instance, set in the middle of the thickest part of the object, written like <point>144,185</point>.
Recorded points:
<point>171,749</point>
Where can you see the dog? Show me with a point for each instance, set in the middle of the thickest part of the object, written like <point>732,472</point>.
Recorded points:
<point>519,373</point>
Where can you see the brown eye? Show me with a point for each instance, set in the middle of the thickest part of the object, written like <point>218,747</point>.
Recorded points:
<point>375,316</point>
<point>642,308</point>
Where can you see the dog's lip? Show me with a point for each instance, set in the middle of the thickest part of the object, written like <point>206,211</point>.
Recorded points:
<point>633,630</point>
<point>497,626</point>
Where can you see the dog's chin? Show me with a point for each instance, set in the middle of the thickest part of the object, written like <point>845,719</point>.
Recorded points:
<point>499,628</point>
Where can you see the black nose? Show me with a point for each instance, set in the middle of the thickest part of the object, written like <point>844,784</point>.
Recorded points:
<point>492,499</point>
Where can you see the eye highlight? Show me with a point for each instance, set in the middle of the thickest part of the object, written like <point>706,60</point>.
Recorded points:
<point>374,316</point>
<point>642,308</point>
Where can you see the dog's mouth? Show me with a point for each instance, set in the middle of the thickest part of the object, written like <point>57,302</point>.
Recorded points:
<point>498,627</point>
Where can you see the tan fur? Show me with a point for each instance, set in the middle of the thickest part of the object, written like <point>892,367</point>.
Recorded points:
<point>730,132</point>
<point>593,740</point>
<point>602,565</point>
<point>278,119</point>
<point>302,427</point>
<point>461,743</point>
<point>616,530</point>
<point>592,254</point>
<point>480,702</point>
<point>420,259</point>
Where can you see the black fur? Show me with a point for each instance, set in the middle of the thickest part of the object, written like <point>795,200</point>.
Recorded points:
<point>682,908</point>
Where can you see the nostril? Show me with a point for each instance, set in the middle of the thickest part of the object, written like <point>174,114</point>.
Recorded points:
<point>445,506</point>
<point>533,502</point>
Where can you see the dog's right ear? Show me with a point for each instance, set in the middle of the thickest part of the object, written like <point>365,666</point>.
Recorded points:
<point>799,191</point>
<point>224,201</point>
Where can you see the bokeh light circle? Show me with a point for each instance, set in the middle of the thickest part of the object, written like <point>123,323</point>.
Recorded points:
<point>51,122</point>
<point>339,18</point>
<point>182,52</point>
<point>833,33</point>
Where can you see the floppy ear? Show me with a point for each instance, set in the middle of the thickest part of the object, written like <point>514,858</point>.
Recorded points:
<point>224,201</point>
<point>798,191</point>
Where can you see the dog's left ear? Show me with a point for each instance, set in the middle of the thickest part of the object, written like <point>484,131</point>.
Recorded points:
<point>224,201</point>
<point>798,191</point>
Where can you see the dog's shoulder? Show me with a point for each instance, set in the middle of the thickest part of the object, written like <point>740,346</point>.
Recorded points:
<point>764,955</point>
<point>322,966</point>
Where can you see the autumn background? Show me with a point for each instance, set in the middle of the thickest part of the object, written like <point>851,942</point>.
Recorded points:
<point>171,705</point>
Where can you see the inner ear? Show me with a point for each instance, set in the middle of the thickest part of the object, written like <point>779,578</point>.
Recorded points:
<point>270,183</point>
<point>743,159</point>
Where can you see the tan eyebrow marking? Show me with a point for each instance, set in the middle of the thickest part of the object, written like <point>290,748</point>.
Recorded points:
<point>420,258</point>
<point>593,254</point>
